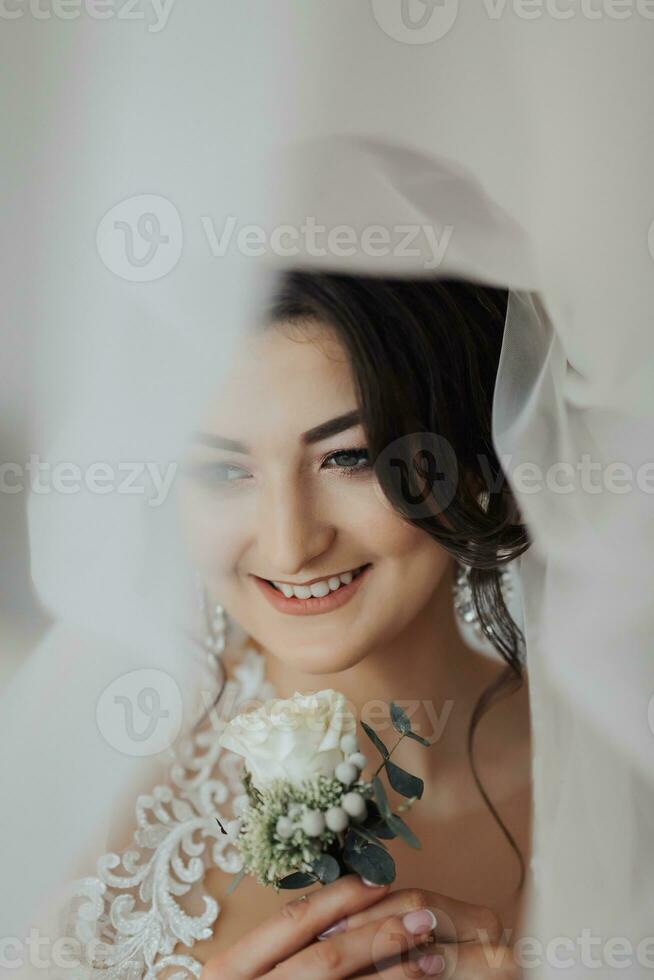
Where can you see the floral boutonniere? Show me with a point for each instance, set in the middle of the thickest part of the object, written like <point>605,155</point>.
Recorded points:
<point>310,815</point>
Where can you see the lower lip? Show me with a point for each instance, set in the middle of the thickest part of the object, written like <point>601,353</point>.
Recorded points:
<point>315,604</point>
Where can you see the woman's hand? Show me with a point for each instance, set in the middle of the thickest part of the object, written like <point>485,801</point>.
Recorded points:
<point>350,929</point>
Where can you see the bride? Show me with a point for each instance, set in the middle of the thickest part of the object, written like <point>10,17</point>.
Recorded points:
<point>343,503</point>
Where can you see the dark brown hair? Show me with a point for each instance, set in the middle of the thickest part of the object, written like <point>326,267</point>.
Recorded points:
<point>424,356</point>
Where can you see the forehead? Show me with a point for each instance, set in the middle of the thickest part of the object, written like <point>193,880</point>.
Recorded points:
<point>283,380</point>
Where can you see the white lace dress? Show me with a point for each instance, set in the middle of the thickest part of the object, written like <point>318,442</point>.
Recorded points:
<point>128,918</point>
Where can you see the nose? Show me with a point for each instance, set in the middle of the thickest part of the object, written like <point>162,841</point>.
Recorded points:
<point>290,533</point>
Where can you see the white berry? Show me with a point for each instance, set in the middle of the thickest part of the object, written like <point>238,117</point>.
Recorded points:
<point>354,805</point>
<point>349,744</point>
<point>336,819</point>
<point>346,773</point>
<point>359,760</point>
<point>313,823</point>
<point>284,828</point>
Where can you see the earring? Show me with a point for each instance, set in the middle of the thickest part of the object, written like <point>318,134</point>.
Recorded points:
<point>463,600</point>
<point>215,621</point>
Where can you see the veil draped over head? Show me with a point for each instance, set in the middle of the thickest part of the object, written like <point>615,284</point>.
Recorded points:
<point>486,144</point>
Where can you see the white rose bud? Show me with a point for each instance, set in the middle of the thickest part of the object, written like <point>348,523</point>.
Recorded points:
<point>346,773</point>
<point>313,823</point>
<point>284,828</point>
<point>359,760</point>
<point>294,739</point>
<point>354,805</point>
<point>336,819</point>
<point>349,744</point>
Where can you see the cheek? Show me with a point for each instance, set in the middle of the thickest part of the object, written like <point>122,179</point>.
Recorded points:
<point>410,564</point>
<point>214,532</point>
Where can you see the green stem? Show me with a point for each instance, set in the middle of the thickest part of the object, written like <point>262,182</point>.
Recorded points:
<point>377,771</point>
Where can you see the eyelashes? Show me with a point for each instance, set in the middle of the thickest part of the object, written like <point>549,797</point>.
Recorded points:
<point>348,462</point>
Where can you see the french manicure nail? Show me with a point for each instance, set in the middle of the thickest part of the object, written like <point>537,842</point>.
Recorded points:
<point>371,884</point>
<point>432,965</point>
<point>339,926</point>
<point>419,922</point>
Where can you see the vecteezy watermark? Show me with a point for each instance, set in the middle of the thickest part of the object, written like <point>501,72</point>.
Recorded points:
<point>426,21</point>
<point>563,476</point>
<point>564,952</point>
<point>415,21</point>
<point>140,239</point>
<point>316,240</point>
<point>140,713</point>
<point>290,717</point>
<point>154,13</point>
<point>44,952</point>
<point>567,9</point>
<point>420,471</point>
<point>65,477</point>
<point>420,474</point>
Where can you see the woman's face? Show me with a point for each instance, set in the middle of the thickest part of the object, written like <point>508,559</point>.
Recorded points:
<point>279,490</point>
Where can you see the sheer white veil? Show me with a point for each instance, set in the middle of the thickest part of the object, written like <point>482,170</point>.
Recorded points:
<point>511,133</point>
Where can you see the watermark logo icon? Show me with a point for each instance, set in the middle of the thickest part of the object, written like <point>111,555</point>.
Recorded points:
<point>140,239</point>
<point>420,470</point>
<point>415,21</point>
<point>140,713</point>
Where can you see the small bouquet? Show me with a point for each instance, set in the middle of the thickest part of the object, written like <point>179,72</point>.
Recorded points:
<point>309,814</point>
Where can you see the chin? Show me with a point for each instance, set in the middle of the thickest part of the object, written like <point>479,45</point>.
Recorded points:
<point>319,658</point>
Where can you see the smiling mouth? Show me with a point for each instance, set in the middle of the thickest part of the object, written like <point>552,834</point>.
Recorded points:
<point>321,596</point>
<point>318,588</point>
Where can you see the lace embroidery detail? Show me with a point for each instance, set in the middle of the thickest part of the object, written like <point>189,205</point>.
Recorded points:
<point>178,832</point>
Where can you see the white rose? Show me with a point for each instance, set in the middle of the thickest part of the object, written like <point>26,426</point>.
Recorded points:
<point>294,740</point>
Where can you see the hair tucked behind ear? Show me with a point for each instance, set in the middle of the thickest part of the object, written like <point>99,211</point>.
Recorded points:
<point>424,356</point>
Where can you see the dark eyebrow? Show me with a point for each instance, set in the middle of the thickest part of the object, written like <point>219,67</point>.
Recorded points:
<point>330,428</point>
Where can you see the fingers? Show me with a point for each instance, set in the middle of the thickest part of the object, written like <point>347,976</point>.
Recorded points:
<point>472,961</point>
<point>452,962</point>
<point>291,929</point>
<point>344,954</point>
<point>456,922</point>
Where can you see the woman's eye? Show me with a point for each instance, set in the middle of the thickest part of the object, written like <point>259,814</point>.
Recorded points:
<point>216,474</point>
<point>348,460</point>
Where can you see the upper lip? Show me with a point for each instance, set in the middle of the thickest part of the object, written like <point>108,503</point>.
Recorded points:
<point>320,578</point>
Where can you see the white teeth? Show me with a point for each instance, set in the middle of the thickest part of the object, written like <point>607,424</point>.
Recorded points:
<point>317,589</point>
<point>320,589</point>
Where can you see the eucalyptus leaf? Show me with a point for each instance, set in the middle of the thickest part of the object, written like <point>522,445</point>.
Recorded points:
<point>369,835</point>
<point>326,868</point>
<point>419,738</point>
<point>380,798</point>
<point>382,830</point>
<point>299,879</point>
<point>375,823</point>
<point>375,739</point>
<point>404,832</point>
<point>400,719</point>
<point>403,782</point>
<point>369,861</point>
